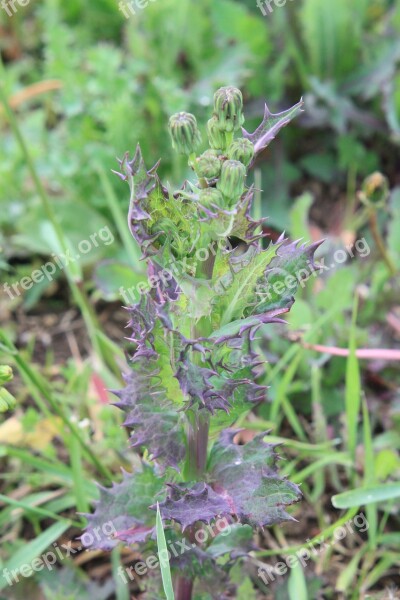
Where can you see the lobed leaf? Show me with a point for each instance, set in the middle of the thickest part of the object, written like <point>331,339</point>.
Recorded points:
<point>124,509</point>
<point>247,478</point>
<point>271,125</point>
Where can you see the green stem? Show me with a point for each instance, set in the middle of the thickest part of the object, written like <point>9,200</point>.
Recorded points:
<point>376,234</point>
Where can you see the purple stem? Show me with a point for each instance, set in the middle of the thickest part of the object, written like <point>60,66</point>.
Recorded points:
<point>184,589</point>
<point>198,427</point>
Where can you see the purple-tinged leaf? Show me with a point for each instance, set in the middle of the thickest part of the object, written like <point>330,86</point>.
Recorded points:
<point>149,399</point>
<point>244,227</point>
<point>293,264</point>
<point>247,479</point>
<point>238,328</point>
<point>124,511</point>
<point>271,125</point>
<point>196,383</point>
<point>187,505</point>
<point>158,219</point>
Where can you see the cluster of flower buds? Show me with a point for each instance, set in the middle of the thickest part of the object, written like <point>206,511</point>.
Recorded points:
<point>227,159</point>
<point>7,400</point>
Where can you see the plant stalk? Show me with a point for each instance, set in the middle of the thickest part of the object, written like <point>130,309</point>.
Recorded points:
<point>374,227</point>
<point>184,589</point>
<point>198,427</point>
<point>196,461</point>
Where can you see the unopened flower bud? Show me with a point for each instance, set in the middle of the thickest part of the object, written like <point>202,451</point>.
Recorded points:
<point>210,196</point>
<point>6,374</point>
<point>231,182</point>
<point>7,400</point>
<point>241,150</point>
<point>216,137</point>
<point>375,190</point>
<point>184,133</point>
<point>228,107</point>
<point>208,165</point>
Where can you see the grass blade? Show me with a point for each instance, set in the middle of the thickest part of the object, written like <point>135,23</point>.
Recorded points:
<point>367,495</point>
<point>121,586</point>
<point>353,387</point>
<point>297,586</point>
<point>369,476</point>
<point>162,551</point>
<point>34,549</point>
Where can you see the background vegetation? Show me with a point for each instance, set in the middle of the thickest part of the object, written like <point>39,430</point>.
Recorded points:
<point>80,84</point>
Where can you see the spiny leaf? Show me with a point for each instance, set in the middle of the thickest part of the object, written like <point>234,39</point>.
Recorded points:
<point>150,398</point>
<point>271,125</point>
<point>240,281</point>
<point>189,504</point>
<point>247,478</point>
<point>292,265</point>
<point>124,508</point>
<point>156,217</point>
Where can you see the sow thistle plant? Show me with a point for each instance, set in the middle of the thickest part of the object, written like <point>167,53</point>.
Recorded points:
<point>195,369</point>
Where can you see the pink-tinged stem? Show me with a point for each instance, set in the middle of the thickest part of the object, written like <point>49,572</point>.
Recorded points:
<point>363,353</point>
<point>184,589</point>
<point>197,443</point>
<point>198,426</point>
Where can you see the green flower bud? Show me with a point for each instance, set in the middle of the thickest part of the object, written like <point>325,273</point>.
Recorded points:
<point>241,150</point>
<point>184,133</point>
<point>6,374</point>
<point>7,401</point>
<point>375,190</point>
<point>210,196</point>
<point>216,137</point>
<point>228,107</point>
<point>231,182</point>
<point>208,165</point>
